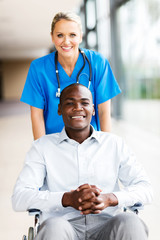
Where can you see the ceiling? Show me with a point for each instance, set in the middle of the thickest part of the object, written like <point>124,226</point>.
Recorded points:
<point>25,26</point>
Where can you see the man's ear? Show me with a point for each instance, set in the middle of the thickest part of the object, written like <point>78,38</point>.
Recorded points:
<point>59,110</point>
<point>93,111</point>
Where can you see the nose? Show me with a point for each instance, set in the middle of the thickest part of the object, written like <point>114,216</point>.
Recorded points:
<point>77,107</point>
<point>66,39</point>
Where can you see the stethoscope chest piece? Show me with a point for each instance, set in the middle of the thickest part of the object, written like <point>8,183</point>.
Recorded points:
<point>58,93</point>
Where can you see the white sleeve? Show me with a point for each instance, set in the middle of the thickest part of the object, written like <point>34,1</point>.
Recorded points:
<point>136,184</point>
<point>26,194</point>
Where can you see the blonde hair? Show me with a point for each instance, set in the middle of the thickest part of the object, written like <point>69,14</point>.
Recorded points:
<point>69,16</point>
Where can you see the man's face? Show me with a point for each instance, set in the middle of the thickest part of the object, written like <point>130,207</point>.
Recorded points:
<point>76,108</point>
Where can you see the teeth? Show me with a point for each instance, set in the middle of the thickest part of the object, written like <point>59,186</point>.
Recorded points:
<point>80,117</point>
<point>66,48</point>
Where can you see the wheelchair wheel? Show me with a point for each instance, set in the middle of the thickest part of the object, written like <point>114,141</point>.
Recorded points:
<point>24,237</point>
<point>31,233</point>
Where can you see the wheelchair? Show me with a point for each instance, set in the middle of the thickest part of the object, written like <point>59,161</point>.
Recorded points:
<point>32,231</point>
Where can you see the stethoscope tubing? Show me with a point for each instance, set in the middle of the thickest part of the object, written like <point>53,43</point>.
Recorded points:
<point>77,79</point>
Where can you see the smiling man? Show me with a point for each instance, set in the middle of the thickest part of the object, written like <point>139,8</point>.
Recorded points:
<point>76,107</point>
<point>73,178</point>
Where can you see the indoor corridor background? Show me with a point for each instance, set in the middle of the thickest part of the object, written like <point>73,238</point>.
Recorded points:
<point>127,33</point>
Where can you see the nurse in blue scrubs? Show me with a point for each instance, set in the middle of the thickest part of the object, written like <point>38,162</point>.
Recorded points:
<point>41,87</point>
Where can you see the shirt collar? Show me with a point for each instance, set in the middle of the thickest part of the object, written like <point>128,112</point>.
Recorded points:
<point>94,134</point>
<point>63,135</point>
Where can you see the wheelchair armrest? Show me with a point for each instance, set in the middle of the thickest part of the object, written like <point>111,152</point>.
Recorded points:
<point>34,211</point>
<point>135,208</point>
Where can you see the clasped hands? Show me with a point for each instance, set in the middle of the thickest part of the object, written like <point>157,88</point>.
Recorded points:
<point>88,199</point>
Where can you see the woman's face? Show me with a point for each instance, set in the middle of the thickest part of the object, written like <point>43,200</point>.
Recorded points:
<point>66,37</point>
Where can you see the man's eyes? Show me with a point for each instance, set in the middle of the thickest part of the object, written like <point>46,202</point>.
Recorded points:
<point>82,103</point>
<point>85,103</point>
<point>69,103</point>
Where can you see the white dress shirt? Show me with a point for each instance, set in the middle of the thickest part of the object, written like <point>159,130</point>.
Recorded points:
<point>56,164</point>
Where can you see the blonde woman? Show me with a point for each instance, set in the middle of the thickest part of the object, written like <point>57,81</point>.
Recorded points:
<point>50,74</point>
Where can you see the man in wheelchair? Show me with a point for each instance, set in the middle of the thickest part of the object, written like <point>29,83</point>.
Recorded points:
<point>75,178</point>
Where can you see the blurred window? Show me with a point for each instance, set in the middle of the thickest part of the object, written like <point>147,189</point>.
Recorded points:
<point>139,29</point>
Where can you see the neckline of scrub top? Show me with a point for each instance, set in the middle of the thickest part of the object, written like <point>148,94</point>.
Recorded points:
<point>64,76</point>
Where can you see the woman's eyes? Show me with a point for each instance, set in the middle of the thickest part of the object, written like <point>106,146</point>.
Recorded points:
<point>60,35</point>
<point>72,34</point>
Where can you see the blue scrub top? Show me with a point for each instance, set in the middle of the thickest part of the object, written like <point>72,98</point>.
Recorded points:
<point>41,86</point>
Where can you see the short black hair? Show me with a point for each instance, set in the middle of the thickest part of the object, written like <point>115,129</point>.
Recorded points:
<point>72,85</point>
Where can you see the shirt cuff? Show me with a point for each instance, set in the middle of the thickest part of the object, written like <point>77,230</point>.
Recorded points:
<point>54,201</point>
<point>124,200</point>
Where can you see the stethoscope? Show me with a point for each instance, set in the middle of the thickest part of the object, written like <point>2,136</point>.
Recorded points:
<point>77,79</point>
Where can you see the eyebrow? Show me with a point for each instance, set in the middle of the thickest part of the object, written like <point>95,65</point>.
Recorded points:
<point>70,32</point>
<point>83,99</point>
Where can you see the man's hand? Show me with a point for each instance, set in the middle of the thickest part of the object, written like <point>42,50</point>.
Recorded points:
<point>81,198</point>
<point>87,204</point>
<point>101,202</point>
<point>88,199</point>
